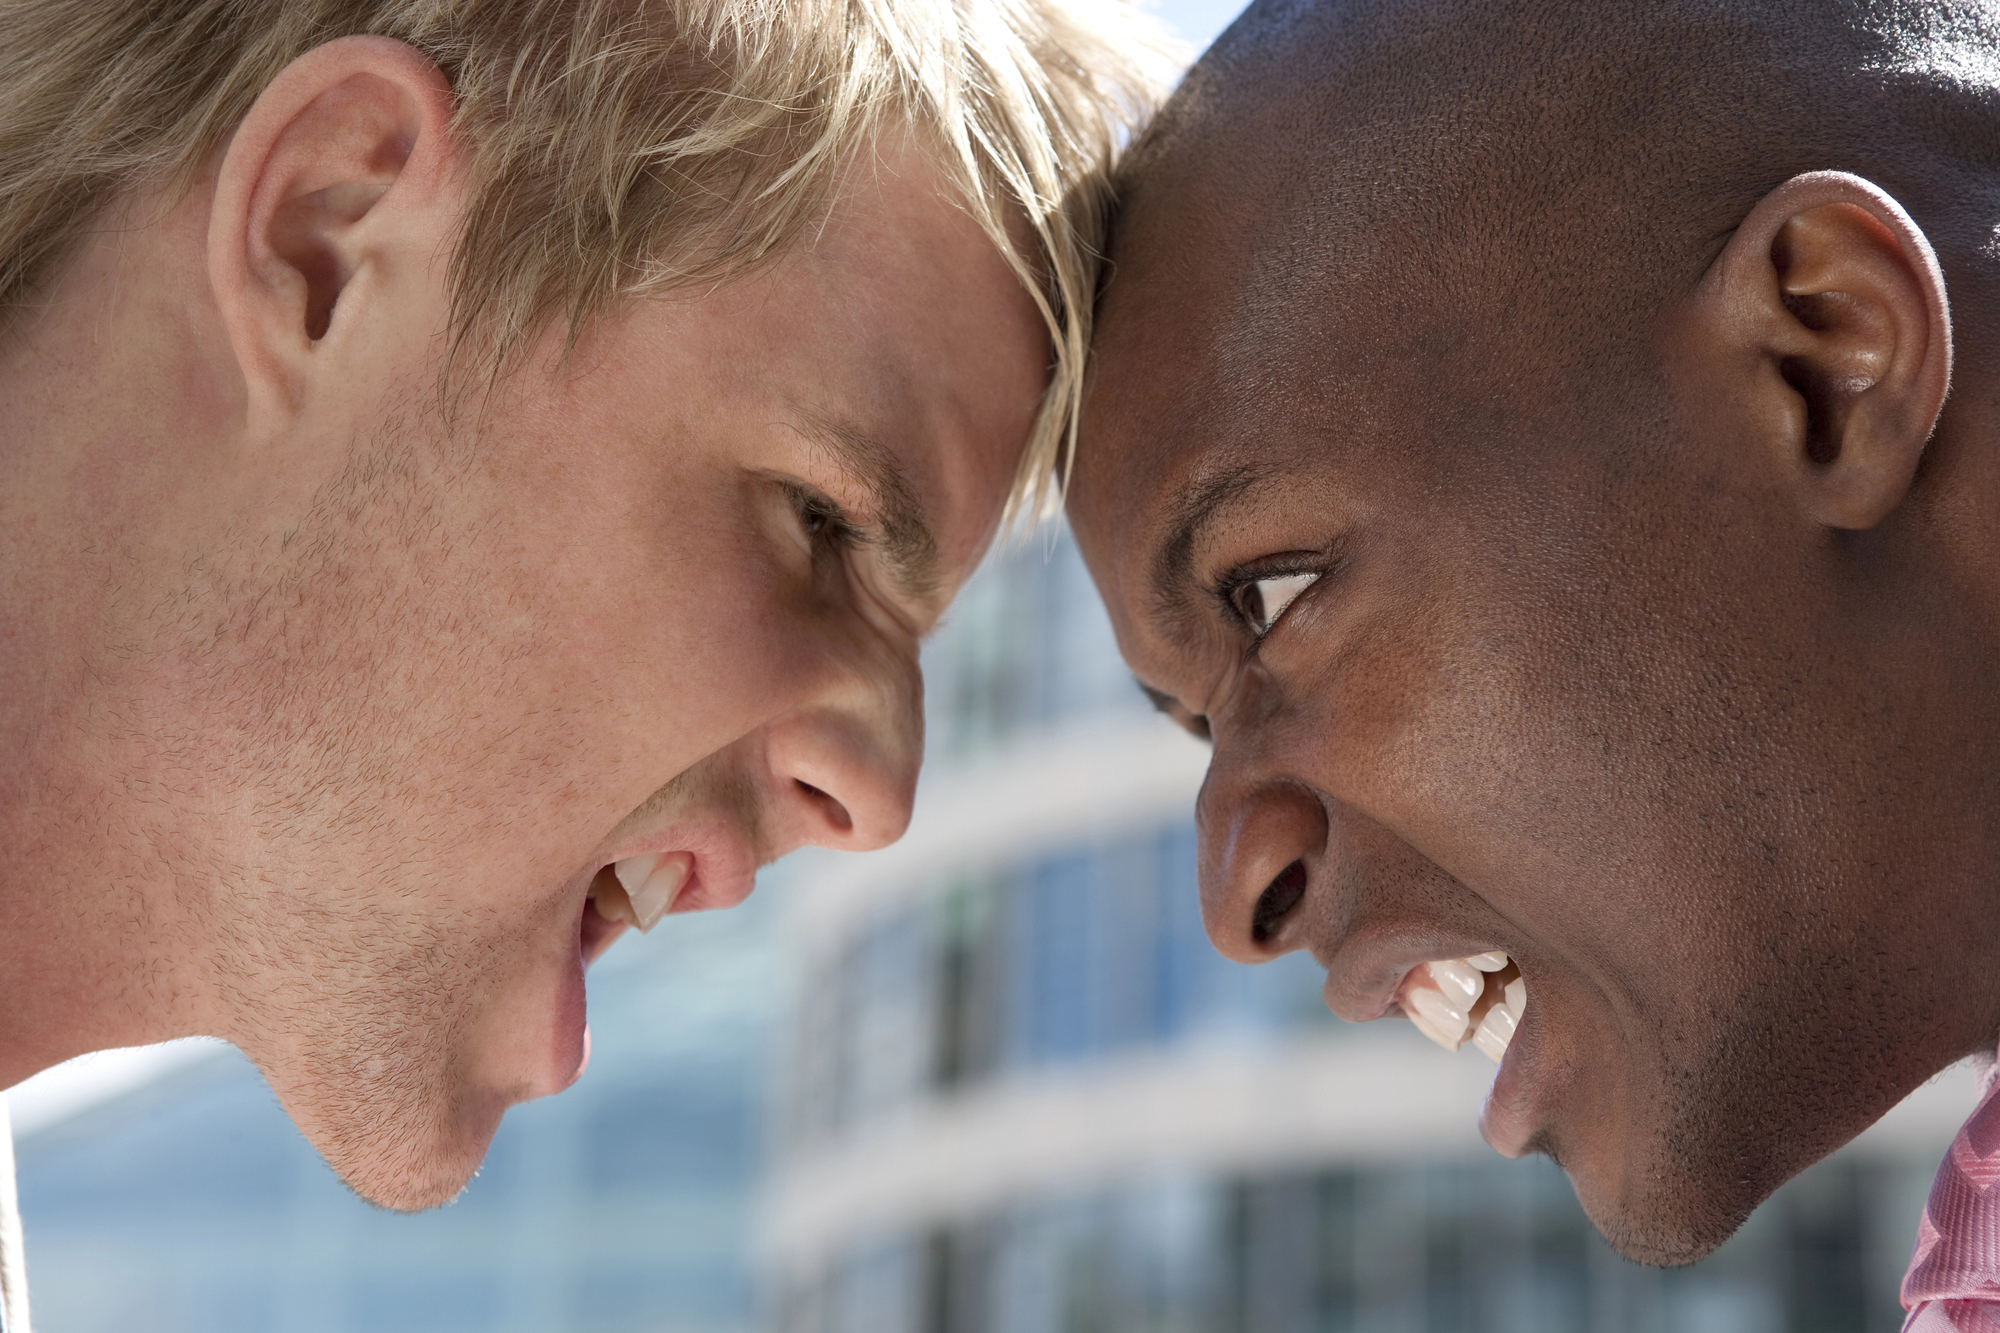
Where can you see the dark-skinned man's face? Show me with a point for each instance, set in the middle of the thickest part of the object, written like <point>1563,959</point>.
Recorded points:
<point>1506,647</point>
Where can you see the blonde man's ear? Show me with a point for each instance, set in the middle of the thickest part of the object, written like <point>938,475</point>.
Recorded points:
<point>340,188</point>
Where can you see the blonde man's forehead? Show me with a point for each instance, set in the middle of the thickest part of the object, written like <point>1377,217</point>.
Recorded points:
<point>620,149</point>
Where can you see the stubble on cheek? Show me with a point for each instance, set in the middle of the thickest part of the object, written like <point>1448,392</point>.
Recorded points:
<point>1711,1146</point>
<point>1750,1088</point>
<point>370,753</point>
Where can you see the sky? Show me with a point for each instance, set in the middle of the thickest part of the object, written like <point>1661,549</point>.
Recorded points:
<point>1198,22</point>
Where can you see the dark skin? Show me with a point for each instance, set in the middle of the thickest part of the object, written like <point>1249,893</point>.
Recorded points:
<point>1652,641</point>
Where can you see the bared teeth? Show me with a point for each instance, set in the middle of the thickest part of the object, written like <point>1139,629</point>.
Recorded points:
<point>613,903</point>
<point>1494,1032</point>
<point>1460,981</point>
<point>651,883</point>
<point>1480,998</point>
<point>641,889</point>
<point>1436,1016</point>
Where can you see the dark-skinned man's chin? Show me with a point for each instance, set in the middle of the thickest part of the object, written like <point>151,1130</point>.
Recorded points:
<point>1668,1216</point>
<point>1672,1192</point>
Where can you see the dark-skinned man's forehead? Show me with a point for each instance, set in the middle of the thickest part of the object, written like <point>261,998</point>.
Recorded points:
<point>1540,145</point>
<point>1249,266</point>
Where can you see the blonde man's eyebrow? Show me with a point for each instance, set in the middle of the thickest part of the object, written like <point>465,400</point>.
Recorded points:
<point>904,534</point>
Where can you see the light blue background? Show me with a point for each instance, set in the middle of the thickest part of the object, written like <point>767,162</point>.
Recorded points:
<point>1198,21</point>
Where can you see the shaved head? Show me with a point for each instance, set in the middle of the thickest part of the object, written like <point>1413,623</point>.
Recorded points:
<point>1534,443</point>
<point>1605,148</point>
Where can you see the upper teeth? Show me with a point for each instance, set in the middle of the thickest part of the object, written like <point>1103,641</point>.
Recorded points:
<point>645,888</point>
<point>1481,997</point>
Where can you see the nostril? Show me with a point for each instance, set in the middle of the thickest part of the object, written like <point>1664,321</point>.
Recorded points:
<point>834,812</point>
<point>1278,899</point>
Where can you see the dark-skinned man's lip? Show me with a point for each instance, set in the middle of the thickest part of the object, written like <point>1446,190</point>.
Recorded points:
<point>1366,977</point>
<point>1508,1119</point>
<point>1479,998</point>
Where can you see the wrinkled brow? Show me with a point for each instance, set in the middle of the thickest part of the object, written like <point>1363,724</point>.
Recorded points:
<point>909,547</point>
<point>1194,513</point>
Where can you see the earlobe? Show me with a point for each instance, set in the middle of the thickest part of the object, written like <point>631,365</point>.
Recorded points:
<point>1834,296</point>
<point>342,162</point>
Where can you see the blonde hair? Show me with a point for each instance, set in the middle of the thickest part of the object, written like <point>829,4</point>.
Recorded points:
<point>619,147</point>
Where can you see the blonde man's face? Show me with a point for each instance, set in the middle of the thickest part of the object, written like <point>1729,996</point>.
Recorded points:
<point>662,602</point>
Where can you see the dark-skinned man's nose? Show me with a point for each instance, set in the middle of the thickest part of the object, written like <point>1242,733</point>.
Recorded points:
<point>1257,839</point>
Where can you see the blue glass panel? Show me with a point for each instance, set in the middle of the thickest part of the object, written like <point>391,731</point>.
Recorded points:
<point>1060,951</point>
<point>1186,961</point>
<point>696,1133</point>
<point>641,1297</point>
<point>216,1148</point>
<point>396,1301</point>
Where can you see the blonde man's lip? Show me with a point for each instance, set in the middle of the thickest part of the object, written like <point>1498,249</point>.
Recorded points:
<point>702,860</point>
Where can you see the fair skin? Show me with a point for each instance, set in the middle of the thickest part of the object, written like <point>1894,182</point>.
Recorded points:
<point>326,707</point>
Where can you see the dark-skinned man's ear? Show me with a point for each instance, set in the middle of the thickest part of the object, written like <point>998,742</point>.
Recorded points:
<point>1830,299</point>
<point>339,174</point>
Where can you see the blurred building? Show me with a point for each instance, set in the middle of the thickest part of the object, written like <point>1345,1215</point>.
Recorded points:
<point>1023,1095</point>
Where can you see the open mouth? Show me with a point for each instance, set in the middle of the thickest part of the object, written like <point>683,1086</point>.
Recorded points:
<point>638,891</point>
<point>1478,999</point>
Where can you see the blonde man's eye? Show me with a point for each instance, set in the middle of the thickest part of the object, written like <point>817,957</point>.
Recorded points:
<point>823,521</point>
<point>1262,601</point>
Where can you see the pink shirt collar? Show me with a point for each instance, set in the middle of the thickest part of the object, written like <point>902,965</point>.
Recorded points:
<point>1953,1285</point>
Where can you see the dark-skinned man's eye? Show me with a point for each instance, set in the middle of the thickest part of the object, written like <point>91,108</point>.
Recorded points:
<point>1260,602</point>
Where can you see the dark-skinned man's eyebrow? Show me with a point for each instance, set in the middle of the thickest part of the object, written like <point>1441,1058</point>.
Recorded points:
<point>1193,514</point>
<point>909,548</point>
